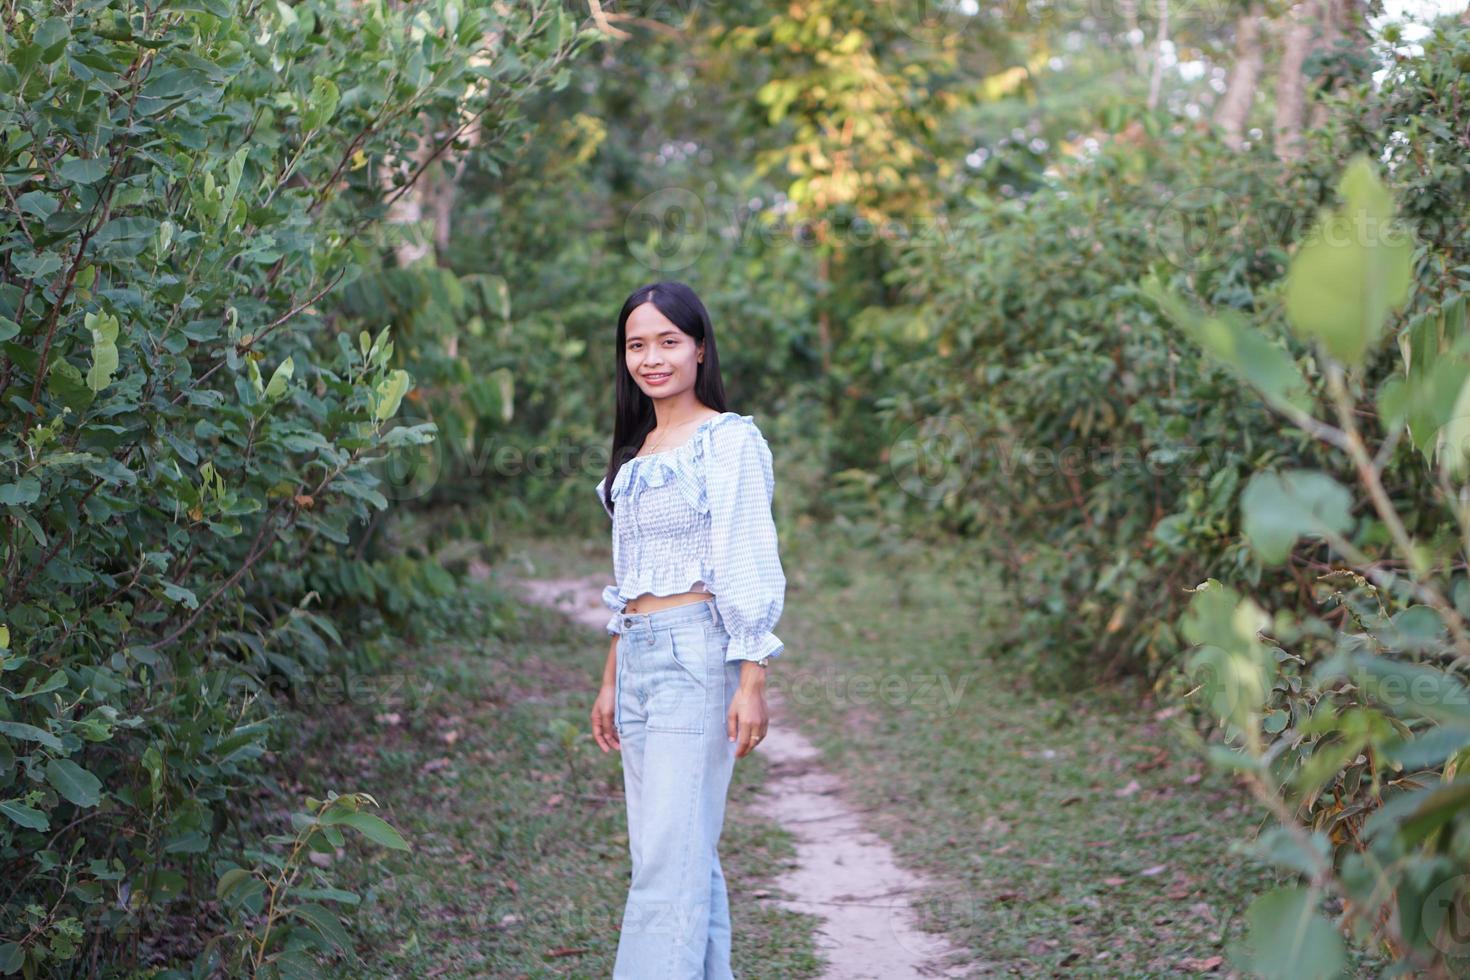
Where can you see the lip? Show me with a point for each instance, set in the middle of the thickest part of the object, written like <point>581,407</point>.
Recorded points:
<point>658,379</point>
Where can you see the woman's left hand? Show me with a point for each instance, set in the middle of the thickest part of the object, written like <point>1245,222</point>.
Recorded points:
<point>747,720</point>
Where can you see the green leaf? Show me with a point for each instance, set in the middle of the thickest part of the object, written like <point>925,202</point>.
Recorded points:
<point>180,594</point>
<point>324,921</point>
<point>24,491</point>
<point>27,817</point>
<point>328,895</point>
<point>1278,508</point>
<point>12,957</point>
<point>73,782</point>
<point>55,682</point>
<point>65,381</point>
<point>390,392</point>
<point>1438,808</point>
<point>231,880</point>
<point>51,37</point>
<point>1430,748</point>
<point>322,104</point>
<point>104,349</point>
<point>37,203</point>
<point>1407,689</point>
<point>1455,445</point>
<point>88,171</point>
<point>1231,666</point>
<point>1240,347</point>
<point>1281,847</point>
<point>279,379</point>
<point>125,237</point>
<point>1353,270</point>
<point>374,828</point>
<point>30,733</point>
<point>1291,940</point>
<point>294,964</point>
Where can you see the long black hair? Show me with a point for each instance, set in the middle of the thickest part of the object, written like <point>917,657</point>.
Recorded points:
<point>633,417</point>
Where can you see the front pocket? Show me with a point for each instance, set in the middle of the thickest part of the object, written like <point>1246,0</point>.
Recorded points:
<point>678,688</point>
<point>717,638</point>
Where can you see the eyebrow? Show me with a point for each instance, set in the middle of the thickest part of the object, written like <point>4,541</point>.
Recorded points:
<point>663,333</point>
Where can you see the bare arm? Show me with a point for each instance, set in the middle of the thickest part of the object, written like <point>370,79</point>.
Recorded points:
<point>610,669</point>
<point>604,709</point>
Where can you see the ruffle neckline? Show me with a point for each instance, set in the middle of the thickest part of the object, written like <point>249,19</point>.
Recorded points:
<point>676,465</point>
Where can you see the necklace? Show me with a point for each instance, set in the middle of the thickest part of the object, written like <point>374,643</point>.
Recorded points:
<point>663,438</point>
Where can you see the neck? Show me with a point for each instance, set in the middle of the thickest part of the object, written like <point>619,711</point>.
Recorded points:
<point>671,416</point>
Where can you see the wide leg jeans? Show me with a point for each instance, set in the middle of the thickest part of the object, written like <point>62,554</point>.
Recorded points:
<point>673,689</point>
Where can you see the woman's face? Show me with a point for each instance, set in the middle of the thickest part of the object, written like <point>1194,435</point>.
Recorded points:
<point>663,359</point>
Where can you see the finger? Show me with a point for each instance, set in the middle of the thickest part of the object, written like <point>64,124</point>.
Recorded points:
<point>747,740</point>
<point>597,735</point>
<point>605,733</point>
<point>731,726</point>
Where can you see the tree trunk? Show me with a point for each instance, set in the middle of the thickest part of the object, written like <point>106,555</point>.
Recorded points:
<point>1156,83</point>
<point>824,318</point>
<point>406,215</point>
<point>1341,19</point>
<point>432,196</point>
<point>1240,90</point>
<point>1291,84</point>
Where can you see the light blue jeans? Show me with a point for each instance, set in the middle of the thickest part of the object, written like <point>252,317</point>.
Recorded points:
<point>673,689</point>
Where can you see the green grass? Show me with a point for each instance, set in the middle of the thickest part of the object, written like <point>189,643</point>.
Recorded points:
<point>1071,834</point>
<point>484,760</point>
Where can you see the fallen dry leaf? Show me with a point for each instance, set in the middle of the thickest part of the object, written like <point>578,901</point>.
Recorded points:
<point>565,951</point>
<point>1205,965</point>
<point>1160,758</point>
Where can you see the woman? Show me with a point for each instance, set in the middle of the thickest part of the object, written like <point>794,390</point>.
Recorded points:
<point>699,588</point>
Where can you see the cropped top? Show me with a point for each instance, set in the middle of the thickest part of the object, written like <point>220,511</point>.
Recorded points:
<point>699,515</point>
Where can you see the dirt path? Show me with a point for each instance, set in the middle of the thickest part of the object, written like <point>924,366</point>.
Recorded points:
<point>844,874</point>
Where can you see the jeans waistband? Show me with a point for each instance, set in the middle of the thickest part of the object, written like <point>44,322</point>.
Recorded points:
<point>690,612</point>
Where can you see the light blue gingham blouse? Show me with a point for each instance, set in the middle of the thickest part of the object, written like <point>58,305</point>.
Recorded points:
<point>699,516</point>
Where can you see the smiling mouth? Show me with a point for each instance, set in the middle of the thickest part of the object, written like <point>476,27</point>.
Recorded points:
<point>656,377</point>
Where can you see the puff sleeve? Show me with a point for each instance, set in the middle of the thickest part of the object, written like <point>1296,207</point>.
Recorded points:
<point>602,498</point>
<point>748,581</point>
<point>610,597</point>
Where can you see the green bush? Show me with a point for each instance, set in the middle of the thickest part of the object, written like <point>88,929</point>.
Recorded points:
<point>187,424</point>
<point>1347,710</point>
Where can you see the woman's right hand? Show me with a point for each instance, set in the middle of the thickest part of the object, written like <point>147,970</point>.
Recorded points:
<point>604,730</point>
